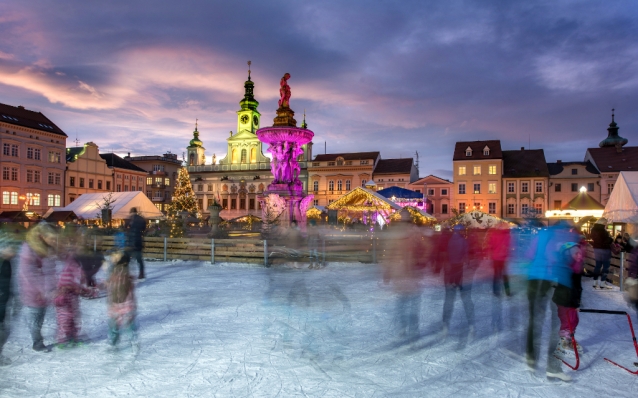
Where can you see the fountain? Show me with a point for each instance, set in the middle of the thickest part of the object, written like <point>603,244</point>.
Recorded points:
<point>285,199</point>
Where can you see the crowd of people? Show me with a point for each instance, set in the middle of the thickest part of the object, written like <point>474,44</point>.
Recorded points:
<point>37,285</point>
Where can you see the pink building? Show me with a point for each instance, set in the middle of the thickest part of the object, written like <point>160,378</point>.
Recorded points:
<point>32,162</point>
<point>438,194</point>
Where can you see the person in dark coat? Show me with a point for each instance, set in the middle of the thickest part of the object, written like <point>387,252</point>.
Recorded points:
<point>136,228</point>
<point>601,241</point>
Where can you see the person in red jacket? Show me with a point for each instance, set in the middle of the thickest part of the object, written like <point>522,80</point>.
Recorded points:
<point>498,246</point>
<point>71,286</point>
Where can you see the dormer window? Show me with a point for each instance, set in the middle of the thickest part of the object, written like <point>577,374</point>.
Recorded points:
<point>339,161</point>
<point>486,151</point>
<point>468,151</point>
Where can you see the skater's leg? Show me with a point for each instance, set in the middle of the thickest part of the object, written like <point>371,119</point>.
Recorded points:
<point>553,363</point>
<point>468,305</point>
<point>448,304</point>
<point>114,333</point>
<point>35,320</point>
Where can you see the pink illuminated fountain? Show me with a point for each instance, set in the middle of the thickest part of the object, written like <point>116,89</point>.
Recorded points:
<point>285,199</point>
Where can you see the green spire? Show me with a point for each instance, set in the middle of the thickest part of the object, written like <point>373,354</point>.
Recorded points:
<point>195,141</point>
<point>304,125</point>
<point>249,102</point>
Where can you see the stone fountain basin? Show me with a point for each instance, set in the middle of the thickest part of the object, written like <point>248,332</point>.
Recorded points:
<point>274,134</point>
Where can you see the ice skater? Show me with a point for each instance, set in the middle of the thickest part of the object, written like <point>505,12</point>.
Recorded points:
<point>7,252</point>
<point>122,308</point>
<point>71,285</point>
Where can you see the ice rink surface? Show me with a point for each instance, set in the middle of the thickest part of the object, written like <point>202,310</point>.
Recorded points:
<point>245,331</point>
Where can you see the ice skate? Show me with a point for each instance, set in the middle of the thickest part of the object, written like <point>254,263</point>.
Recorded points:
<point>558,375</point>
<point>596,284</point>
<point>606,285</point>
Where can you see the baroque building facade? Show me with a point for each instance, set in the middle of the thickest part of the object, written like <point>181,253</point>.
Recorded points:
<point>525,183</point>
<point>86,172</point>
<point>32,161</point>
<point>162,176</point>
<point>236,180</point>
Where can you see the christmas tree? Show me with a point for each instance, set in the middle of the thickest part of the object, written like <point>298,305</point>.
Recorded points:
<point>184,197</point>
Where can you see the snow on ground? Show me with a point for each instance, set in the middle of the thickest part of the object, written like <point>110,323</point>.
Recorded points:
<point>245,331</point>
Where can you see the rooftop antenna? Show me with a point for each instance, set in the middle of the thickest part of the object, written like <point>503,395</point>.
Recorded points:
<point>325,147</point>
<point>416,153</point>
<point>77,141</point>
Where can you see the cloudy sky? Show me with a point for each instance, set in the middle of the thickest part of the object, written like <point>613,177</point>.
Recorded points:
<point>390,76</point>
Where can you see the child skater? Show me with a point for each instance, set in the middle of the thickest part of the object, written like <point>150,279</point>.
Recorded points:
<point>567,298</point>
<point>71,285</point>
<point>122,308</point>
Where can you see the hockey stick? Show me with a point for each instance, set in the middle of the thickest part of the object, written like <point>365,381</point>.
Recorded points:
<point>633,335</point>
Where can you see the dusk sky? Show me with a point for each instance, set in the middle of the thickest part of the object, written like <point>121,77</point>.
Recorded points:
<point>389,76</point>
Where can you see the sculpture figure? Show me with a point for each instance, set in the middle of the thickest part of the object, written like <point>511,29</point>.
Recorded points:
<point>214,159</point>
<point>284,92</point>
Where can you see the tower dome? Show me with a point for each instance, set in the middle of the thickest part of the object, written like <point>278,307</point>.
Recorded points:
<point>613,139</point>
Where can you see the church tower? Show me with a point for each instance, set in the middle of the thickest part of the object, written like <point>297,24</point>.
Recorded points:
<point>248,116</point>
<point>196,150</point>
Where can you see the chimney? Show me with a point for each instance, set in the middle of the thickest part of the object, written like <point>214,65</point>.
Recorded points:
<point>559,161</point>
<point>522,148</point>
<point>618,147</point>
<point>20,106</point>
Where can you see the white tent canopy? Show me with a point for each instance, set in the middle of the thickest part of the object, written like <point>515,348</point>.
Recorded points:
<point>622,206</point>
<point>87,206</point>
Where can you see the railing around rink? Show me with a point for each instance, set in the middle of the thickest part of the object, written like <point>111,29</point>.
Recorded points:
<point>615,272</point>
<point>330,248</point>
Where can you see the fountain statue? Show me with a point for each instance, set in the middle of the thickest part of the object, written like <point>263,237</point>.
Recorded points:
<point>285,142</point>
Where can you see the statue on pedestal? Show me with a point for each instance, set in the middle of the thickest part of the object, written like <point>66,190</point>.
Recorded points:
<point>284,92</point>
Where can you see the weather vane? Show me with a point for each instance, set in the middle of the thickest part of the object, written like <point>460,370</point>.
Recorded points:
<point>196,124</point>
<point>249,69</point>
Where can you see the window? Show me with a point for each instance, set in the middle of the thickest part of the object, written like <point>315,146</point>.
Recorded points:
<point>108,185</point>
<point>14,198</point>
<point>574,187</point>
<point>6,197</point>
<point>91,183</point>
<point>574,172</point>
<point>127,176</point>
<point>37,154</point>
<point>524,187</point>
<point>468,151</point>
<point>14,174</point>
<point>610,187</point>
<point>339,161</point>
<point>242,204</point>
<point>51,178</point>
<point>81,182</point>
<point>477,188</point>
<point>363,162</point>
<point>33,199</point>
<point>159,206</point>
<point>251,204</point>
<point>331,163</point>
<point>315,202</point>
<point>54,157</point>
<point>363,183</point>
<point>461,207</point>
<point>347,185</point>
<point>510,208</point>
<point>557,204</point>
<point>200,187</point>
<point>149,180</point>
<point>444,208</point>
<point>461,189</point>
<point>6,149</point>
<point>477,170</point>
<point>158,180</point>
<point>491,187</point>
<point>29,153</point>
<point>491,169</point>
<point>99,184</point>
<point>244,155</point>
<point>119,188</point>
<point>225,204</point>
<point>14,150</point>
<point>539,208</point>
<point>339,185</point>
<point>233,204</point>
<point>444,192</point>
<point>486,151</point>
<point>315,164</point>
<point>590,187</point>
<point>71,181</point>
<point>461,170</point>
<point>53,200</point>
<point>200,203</point>
<point>6,172</point>
<point>557,188</point>
<point>511,187</point>
<point>524,208</point>
<point>315,185</point>
<point>491,208</point>
<point>431,192</point>
<point>539,187</point>
<point>167,182</point>
<point>29,175</point>
<point>58,178</point>
<point>125,188</point>
<point>331,185</point>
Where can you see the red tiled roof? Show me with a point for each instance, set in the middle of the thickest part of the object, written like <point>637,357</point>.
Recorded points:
<point>347,156</point>
<point>394,166</point>
<point>477,150</point>
<point>26,118</point>
<point>609,159</point>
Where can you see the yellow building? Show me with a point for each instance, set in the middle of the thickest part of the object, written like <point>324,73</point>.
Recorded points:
<point>332,175</point>
<point>478,167</point>
<point>86,172</point>
<point>525,183</point>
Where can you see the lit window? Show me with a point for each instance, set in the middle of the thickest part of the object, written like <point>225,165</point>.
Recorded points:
<point>491,170</point>
<point>491,187</point>
<point>477,170</point>
<point>461,170</point>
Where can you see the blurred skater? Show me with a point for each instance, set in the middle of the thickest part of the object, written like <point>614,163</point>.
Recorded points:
<point>499,249</point>
<point>136,228</point>
<point>7,253</point>
<point>567,298</point>
<point>122,307</point>
<point>36,276</point>
<point>455,279</point>
<point>71,285</point>
<point>601,241</point>
<point>313,245</point>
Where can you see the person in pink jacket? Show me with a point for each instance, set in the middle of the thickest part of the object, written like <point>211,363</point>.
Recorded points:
<point>36,278</point>
<point>71,285</point>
